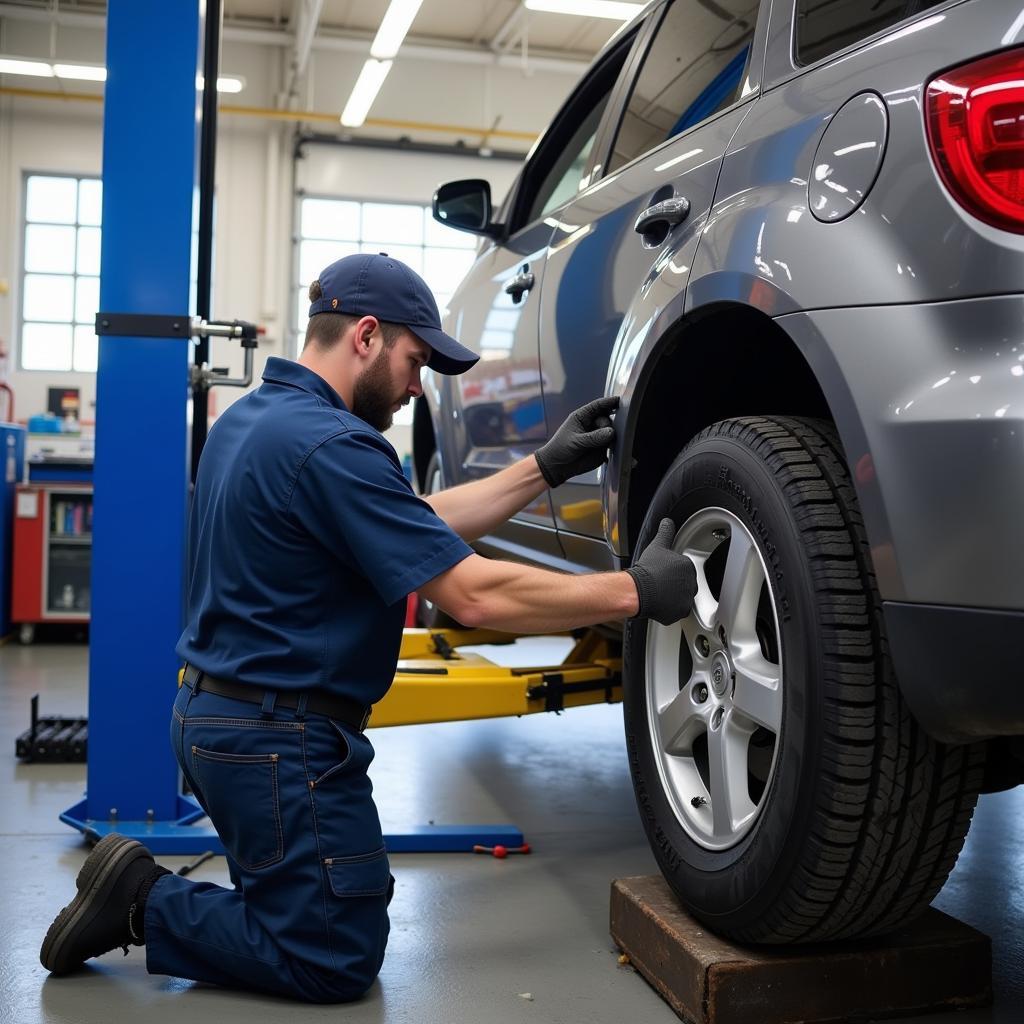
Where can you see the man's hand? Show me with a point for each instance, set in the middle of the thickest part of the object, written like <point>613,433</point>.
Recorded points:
<point>666,581</point>
<point>580,444</point>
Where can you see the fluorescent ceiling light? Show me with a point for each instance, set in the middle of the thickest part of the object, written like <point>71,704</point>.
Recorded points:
<point>81,72</point>
<point>396,22</point>
<point>225,83</point>
<point>16,66</point>
<point>371,78</point>
<point>588,8</point>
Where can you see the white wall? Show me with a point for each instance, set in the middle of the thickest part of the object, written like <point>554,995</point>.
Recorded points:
<point>255,197</point>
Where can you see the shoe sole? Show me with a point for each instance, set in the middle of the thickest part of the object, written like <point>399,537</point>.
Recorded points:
<point>94,882</point>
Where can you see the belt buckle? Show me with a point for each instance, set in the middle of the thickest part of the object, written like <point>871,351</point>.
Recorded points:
<point>366,719</point>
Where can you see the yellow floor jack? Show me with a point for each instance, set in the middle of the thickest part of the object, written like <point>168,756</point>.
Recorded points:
<point>437,682</point>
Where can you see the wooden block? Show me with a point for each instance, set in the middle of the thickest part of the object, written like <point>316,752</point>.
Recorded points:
<point>935,963</point>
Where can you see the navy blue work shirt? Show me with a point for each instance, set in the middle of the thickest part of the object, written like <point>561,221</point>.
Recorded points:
<point>305,539</point>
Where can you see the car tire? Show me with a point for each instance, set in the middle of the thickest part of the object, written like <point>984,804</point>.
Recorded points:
<point>428,615</point>
<point>847,819</point>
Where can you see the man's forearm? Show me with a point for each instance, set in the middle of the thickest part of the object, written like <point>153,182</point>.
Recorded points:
<point>522,599</point>
<point>475,509</point>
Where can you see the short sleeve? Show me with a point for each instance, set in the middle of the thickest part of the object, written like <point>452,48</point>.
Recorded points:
<point>351,495</point>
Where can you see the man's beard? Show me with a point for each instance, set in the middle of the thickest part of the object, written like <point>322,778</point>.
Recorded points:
<point>374,393</point>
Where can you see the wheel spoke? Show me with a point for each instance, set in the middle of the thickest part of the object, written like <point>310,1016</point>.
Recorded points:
<point>704,603</point>
<point>758,695</point>
<point>727,765</point>
<point>679,723</point>
<point>741,587</point>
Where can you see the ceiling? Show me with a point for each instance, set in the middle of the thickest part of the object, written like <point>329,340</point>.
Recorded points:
<point>501,25</point>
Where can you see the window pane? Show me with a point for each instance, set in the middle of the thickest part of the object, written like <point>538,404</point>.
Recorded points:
<point>693,68</point>
<point>87,300</point>
<point>444,269</point>
<point>330,218</point>
<point>436,233</point>
<point>88,251</point>
<point>86,347</point>
<point>90,201</point>
<point>302,313</point>
<point>389,222</point>
<point>53,200</point>
<point>316,256</point>
<point>48,298</point>
<point>49,249</point>
<point>46,347</point>
<point>825,26</point>
<point>410,255</point>
<point>563,179</point>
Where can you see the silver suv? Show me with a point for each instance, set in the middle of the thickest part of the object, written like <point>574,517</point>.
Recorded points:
<point>790,235</point>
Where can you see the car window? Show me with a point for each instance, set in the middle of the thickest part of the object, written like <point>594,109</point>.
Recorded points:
<point>562,182</point>
<point>553,174</point>
<point>825,26</point>
<point>693,68</point>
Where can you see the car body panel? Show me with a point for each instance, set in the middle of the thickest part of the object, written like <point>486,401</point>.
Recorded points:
<point>940,472</point>
<point>599,274</point>
<point>906,310</point>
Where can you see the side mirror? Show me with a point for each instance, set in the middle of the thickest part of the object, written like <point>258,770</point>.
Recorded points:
<point>466,206</point>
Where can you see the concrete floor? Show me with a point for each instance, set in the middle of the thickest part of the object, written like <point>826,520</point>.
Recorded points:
<point>471,936</point>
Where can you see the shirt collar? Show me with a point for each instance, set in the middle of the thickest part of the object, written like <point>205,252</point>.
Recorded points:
<point>293,374</point>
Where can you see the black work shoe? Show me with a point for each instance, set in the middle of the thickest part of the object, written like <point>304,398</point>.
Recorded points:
<point>108,911</point>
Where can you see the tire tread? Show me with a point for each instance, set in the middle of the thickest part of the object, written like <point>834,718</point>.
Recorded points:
<point>892,806</point>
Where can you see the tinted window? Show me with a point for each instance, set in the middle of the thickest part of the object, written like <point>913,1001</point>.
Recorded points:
<point>694,67</point>
<point>553,175</point>
<point>563,180</point>
<point>825,26</point>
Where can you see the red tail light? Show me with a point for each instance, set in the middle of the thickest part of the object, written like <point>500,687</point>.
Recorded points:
<point>975,119</point>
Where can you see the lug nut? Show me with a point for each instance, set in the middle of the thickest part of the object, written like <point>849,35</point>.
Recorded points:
<point>703,647</point>
<point>700,693</point>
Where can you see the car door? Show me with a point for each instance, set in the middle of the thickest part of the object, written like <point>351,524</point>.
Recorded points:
<point>494,412</point>
<point>693,87</point>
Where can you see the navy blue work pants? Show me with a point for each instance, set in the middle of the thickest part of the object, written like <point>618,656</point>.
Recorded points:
<point>292,803</point>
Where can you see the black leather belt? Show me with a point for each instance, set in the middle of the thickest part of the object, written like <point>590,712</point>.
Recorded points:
<point>341,709</point>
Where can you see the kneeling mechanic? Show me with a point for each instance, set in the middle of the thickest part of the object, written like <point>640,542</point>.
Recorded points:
<point>305,539</point>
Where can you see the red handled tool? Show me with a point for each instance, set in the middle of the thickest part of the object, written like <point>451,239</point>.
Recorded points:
<point>502,851</point>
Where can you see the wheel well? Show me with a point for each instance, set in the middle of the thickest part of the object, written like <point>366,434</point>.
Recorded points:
<point>423,442</point>
<point>724,362</point>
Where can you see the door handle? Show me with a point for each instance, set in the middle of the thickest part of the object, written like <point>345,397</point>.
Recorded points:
<point>522,282</point>
<point>656,221</point>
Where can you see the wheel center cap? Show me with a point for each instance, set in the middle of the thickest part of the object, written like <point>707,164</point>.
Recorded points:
<point>721,674</point>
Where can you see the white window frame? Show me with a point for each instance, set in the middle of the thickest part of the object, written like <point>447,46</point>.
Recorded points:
<point>74,275</point>
<point>298,238</point>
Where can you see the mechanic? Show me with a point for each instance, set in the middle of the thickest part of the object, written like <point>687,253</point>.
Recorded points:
<point>306,539</point>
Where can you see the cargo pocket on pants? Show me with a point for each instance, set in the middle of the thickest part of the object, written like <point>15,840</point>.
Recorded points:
<point>367,874</point>
<point>240,792</point>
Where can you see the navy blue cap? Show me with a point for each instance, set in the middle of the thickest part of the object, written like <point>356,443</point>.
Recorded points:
<point>378,285</point>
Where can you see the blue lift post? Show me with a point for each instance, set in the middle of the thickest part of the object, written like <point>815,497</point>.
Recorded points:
<point>150,146</point>
<point>150,156</point>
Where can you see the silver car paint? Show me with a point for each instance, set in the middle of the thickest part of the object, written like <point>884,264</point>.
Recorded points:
<point>907,311</point>
<point>909,242</point>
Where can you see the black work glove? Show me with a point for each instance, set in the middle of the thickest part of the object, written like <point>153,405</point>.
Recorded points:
<point>580,443</point>
<point>666,581</point>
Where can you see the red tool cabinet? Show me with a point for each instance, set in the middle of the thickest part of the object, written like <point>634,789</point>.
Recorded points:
<point>52,555</point>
